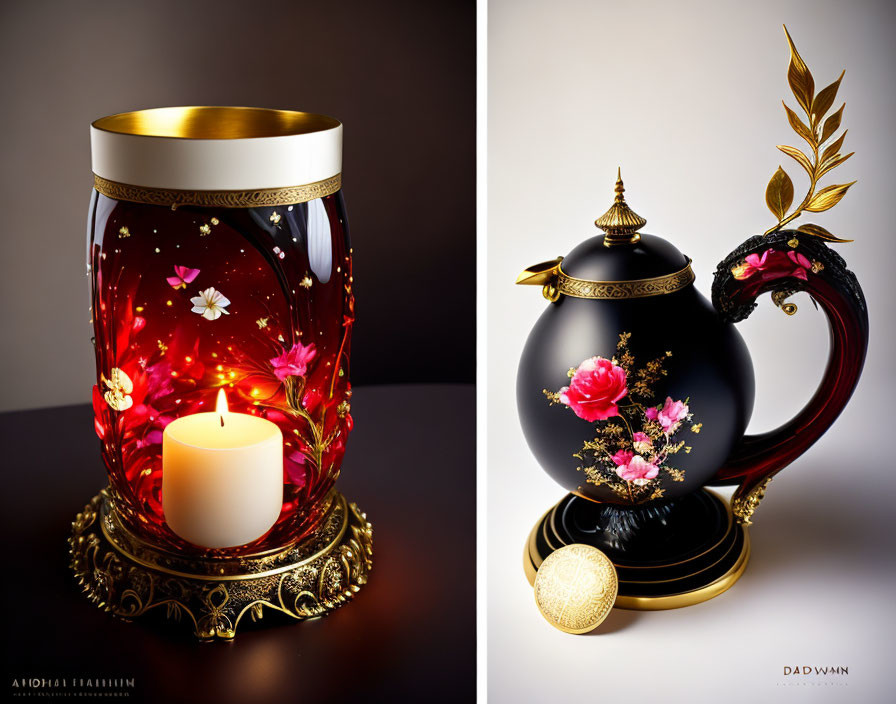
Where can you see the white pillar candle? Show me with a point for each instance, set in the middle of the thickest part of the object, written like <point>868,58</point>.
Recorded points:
<point>222,477</point>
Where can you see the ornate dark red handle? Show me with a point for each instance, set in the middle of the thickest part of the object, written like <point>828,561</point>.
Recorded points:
<point>782,263</point>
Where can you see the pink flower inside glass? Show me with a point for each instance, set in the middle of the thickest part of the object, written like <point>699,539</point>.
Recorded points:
<point>293,362</point>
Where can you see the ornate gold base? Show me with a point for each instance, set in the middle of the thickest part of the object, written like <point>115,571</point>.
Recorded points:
<point>544,539</point>
<point>128,577</point>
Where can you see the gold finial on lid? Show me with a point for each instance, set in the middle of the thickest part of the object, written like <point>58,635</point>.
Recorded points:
<point>620,222</point>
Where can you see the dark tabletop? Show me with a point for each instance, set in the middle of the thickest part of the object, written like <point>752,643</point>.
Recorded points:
<point>410,633</point>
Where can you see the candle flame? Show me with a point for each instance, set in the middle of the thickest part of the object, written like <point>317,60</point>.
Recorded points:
<point>221,405</point>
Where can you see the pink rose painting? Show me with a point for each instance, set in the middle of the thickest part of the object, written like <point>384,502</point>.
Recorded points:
<point>595,388</point>
<point>638,471</point>
<point>634,438</point>
<point>623,457</point>
<point>642,442</point>
<point>293,362</point>
<point>671,415</point>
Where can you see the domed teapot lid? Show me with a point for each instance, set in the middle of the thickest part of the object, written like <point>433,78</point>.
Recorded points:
<point>621,263</point>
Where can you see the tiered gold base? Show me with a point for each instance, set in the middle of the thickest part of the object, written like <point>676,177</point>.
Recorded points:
<point>129,577</point>
<point>664,593</point>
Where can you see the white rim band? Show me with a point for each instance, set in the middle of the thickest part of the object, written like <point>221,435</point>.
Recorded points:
<point>216,164</point>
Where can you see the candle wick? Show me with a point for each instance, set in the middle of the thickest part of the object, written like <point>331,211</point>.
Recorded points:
<point>222,421</point>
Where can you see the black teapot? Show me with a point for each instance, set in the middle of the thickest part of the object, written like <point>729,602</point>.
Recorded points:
<point>635,392</point>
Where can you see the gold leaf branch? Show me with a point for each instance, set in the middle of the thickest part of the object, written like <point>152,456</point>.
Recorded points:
<point>779,192</point>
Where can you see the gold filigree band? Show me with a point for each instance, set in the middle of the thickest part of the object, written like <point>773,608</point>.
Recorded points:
<point>554,281</point>
<point>262,197</point>
<point>131,578</point>
<point>615,290</point>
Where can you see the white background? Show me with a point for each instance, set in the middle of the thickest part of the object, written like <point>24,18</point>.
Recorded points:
<point>685,96</point>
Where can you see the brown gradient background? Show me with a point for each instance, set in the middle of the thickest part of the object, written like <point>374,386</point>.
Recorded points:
<point>401,77</point>
<point>399,74</point>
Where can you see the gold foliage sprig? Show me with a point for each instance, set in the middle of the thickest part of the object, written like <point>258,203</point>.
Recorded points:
<point>779,192</point>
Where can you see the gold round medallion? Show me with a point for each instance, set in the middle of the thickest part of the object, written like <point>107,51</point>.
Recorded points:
<point>575,588</point>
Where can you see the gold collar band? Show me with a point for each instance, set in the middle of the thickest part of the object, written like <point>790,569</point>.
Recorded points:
<point>555,281</point>
<point>263,197</point>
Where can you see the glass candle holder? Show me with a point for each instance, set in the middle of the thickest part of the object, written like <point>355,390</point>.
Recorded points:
<point>219,258</point>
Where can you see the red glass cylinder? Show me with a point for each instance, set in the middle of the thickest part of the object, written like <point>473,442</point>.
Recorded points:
<point>212,291</point>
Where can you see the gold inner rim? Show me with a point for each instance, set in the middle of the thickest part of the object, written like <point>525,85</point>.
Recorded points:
<point>215,122</point>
